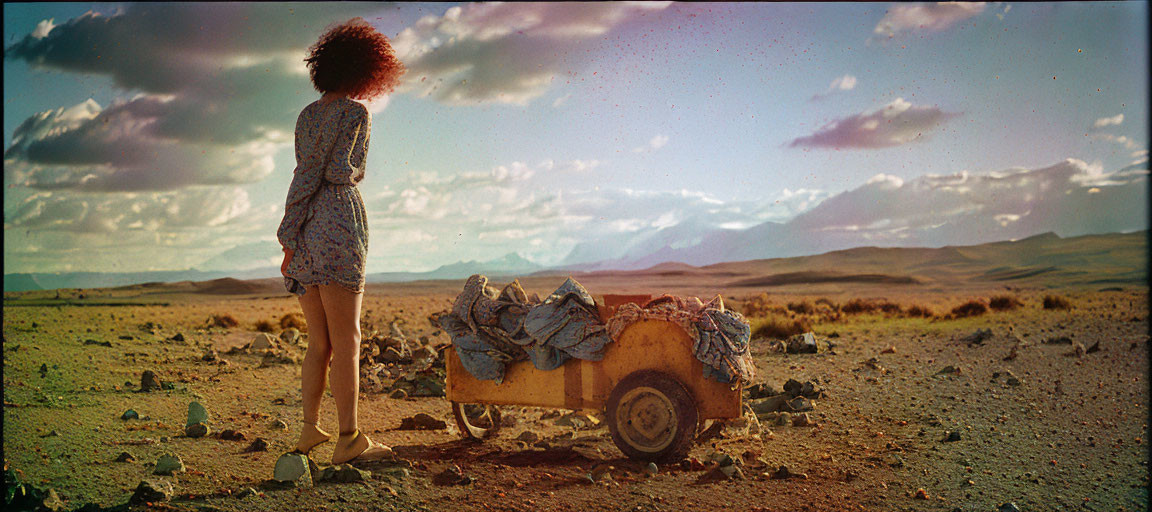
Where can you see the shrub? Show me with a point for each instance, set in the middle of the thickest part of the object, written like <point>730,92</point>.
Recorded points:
<point>857,306</point>
<point>970,308</point>
<point>890,308</point>
<point>779,327</point>
<point>1004,303</point>
<point>760,305</point>
<point>831,305</point>
<point>224,320</point>
<point>1056,302</point>
<point>265,326</point>
<point>294,320</point>
<point>917,310</point>
<point>803,307</point>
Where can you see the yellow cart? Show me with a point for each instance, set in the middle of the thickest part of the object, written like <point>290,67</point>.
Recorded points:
<point>649,384</point>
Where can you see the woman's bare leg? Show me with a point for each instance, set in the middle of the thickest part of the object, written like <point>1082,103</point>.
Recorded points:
<point>342,310</point>
<point>314,372</point>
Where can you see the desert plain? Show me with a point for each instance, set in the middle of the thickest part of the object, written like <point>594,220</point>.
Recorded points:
<point>919,407</point>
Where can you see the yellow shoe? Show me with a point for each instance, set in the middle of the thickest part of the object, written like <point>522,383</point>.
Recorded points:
<point>356,447</point>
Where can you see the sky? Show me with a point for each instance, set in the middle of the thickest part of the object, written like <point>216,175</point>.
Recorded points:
<point>159,136</point>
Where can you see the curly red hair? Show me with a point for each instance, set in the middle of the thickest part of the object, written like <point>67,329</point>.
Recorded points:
<point>356,59</point>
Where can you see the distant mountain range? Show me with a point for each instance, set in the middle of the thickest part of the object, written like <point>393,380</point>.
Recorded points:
<point>509,265</point>
<point>1047,261</point>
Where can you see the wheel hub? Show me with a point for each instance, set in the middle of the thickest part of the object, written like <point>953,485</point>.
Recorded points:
<point>646,419</point>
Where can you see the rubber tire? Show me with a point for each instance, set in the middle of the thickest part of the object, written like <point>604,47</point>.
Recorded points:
<point>683,405</point>
<point>468,431</point>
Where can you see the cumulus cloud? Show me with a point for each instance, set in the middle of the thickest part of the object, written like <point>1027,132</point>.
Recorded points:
<point>505,52</point>
<point>895,124</point>
<point>924,17</point>
<point>1104,122</point>
<point>841,83</point>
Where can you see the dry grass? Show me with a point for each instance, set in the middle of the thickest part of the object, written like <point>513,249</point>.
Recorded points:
<point>1004,303</point>
<point>970,308</point>
<point>265,326</point>
<point>226,321</point>
<point>294,320</point>
<point>917,310</point>
<point>803,307</point>
<point>1056,302</point>
<point>779,326</point>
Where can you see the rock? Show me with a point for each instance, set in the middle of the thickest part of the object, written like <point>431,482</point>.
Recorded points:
<point>783,473</point>
<point>101,343</point>
<point>1093,349</point>
<point>801,420</point>
<point>948,370</point>
<point>951,436</point>
<point>1061,340</point>
<point>153,490</point>
<point>978,337</point>
<point>577,420</point>
<point>760,390</point>
<point>346,473</point>
<point>800,404</point>
<point>263,341</point>
<point>196,413</point>
<point>1012,380</point>
<point>528,436</point>
<point>890,350</point>
<point>651,469</point>
<point>783,419</point>
<point>149,381</point>
<point>130,415</point>
<point>168,464</point>
<point>177,337</point>
<point>451,476</point>
<point>398,394</point>
<point>921,494</point>
<point>232,435</point>
<point>196,430</point>
<point>210,356</point>
<point>293,468</point>
<point>278,424</point>
<point>1077,350</point>
<point>1008,507</point>
<point>290,336</point>
<point>422,421</point>
<point>125,457</point>
<point>248,491</point>
<point>1013,353</point>
<point>258,445</point>
<point>771,404</point>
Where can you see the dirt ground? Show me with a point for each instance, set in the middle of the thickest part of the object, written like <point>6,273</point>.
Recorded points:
<point>1072,435</point>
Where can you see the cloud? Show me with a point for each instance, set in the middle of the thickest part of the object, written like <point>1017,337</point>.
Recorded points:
<point>842,83</point>
<point>508,53</point>
<point>104,213</point>
<point>895,124</point>
<point>657,142</point>
<point>924,17</point>
<point>1070,198</point>
<point>1103,122</point>
<point>1118,139</point>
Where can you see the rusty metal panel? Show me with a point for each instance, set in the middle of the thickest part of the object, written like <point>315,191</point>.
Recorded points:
<point>645,345</point>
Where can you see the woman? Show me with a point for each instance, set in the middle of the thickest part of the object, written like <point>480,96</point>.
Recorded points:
<point>324,231</point>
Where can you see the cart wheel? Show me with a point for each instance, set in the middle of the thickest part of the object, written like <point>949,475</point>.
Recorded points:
<point>652,416</point>
<point>476,421</point>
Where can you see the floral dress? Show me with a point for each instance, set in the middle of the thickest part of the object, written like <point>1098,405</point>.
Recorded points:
<point>324,219</point>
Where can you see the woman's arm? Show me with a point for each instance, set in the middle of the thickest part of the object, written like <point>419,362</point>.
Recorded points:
<point>305,181</point>
<point>351,146</point>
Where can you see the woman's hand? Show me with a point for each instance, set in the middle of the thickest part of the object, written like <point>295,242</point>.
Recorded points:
<point>287,257</point>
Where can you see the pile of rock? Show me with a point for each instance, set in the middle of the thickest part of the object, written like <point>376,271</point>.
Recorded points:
<point>287,348</point>
<point>806,343</point>
<point>401,367</point>
<point>789,407</point>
